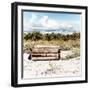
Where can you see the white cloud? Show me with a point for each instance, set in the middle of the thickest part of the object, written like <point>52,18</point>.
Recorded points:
<point>33,19</point>
<point>44,20</point>
<point>27,24</point>
<point>45,23</point>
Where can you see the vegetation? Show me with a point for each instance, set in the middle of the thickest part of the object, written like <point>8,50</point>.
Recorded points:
<point>66,42</point>
<point>51,36</point>
<point>73,55</point>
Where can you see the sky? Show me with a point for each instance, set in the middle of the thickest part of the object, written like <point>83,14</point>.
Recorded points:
<point>47,22</point>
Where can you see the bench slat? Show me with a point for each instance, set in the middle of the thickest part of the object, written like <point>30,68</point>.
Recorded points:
<point>45,58</point>
<point>44,55</point>
<point>46,52</point>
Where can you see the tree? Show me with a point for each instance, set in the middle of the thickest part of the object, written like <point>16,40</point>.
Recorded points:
<point>27,36</point>
<point>50,36</point>
<point>36,35</point>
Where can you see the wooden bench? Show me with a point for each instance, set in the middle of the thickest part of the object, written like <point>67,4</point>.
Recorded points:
<point>45,53</point>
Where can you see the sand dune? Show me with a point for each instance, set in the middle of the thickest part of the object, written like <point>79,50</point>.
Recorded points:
<point>61,68</point>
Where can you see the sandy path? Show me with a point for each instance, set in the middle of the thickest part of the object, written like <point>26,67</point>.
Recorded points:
<point>37,69</point>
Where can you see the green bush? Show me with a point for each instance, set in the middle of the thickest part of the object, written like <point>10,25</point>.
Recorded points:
<point>50,36</point>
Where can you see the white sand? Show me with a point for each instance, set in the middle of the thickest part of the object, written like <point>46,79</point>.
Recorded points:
<point>59,68</point>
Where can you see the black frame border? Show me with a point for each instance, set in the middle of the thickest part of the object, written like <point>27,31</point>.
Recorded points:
<point>14,44</point>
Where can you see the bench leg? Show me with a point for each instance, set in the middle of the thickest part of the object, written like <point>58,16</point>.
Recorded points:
<point>59,56</point>
<point>30,57</point>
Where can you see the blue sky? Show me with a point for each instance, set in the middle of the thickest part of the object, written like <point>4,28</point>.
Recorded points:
<point>52,22</point>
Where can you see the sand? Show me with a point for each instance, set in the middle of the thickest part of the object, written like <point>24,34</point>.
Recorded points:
<point>58,68</point>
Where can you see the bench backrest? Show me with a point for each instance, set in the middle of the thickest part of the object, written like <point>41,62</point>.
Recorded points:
<point>46,53</point>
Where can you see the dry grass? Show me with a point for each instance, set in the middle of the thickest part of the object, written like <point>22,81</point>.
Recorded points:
<point>65,45</point>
